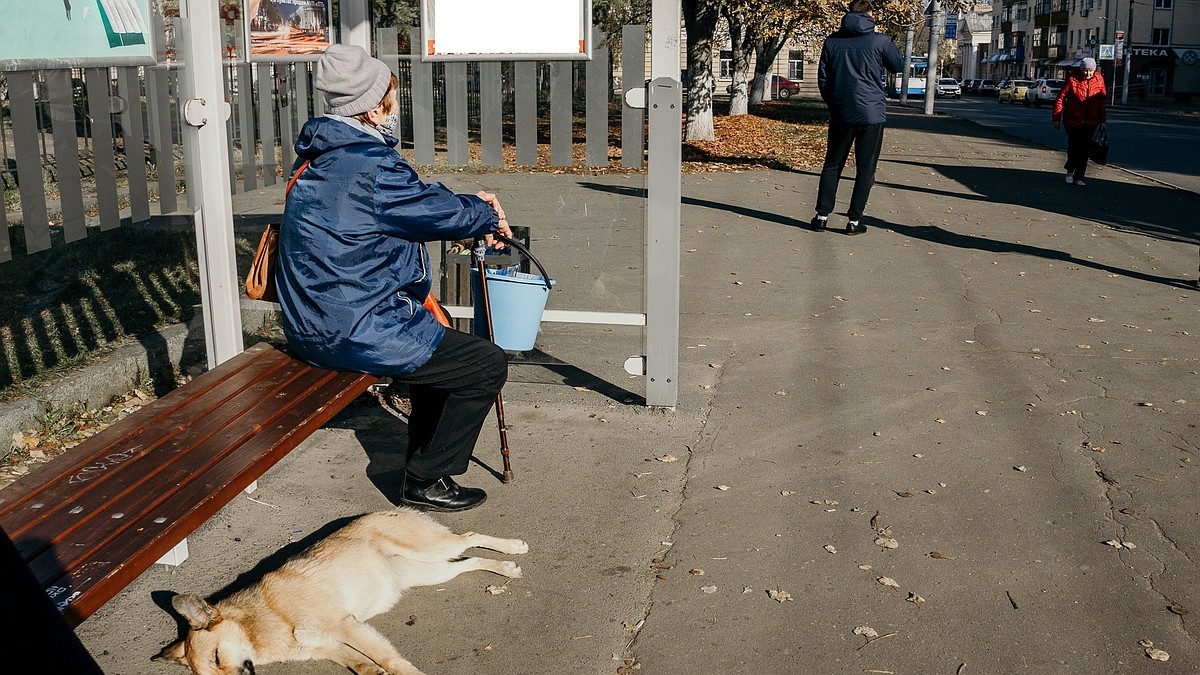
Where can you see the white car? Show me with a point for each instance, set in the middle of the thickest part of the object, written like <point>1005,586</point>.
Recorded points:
<point>947,86</point>
<point>1042,91</point>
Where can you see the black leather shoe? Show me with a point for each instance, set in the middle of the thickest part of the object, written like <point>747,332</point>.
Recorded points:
<point>442,494</point>
<point>818,224</point>
<point>855,228</point>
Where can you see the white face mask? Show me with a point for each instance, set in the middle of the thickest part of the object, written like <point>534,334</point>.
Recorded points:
<point>388,125</point>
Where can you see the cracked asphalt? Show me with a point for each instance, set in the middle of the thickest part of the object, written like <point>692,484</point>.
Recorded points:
<point>999,377</point>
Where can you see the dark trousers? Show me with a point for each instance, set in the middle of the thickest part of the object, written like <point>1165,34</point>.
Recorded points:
<point>1079,142</point>
<point>867,140</point>
<point>451,395</point>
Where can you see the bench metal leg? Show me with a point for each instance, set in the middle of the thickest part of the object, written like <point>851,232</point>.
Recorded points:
<point>251,488</point>
<point>175,556</point>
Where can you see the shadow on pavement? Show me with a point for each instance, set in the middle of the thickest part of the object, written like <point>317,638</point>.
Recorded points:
<point>1149,210</point>
<point>948,238</point>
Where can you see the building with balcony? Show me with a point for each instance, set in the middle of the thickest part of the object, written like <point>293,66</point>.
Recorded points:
<point>1160,37</point>
<point>1010,34</point>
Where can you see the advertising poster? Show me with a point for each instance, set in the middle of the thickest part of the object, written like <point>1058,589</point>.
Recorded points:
<point>75,33</point>
<point>287,30</point>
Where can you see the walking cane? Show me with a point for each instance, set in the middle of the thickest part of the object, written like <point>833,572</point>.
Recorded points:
<point>477,253</point>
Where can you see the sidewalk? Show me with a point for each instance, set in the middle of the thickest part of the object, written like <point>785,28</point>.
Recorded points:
<point>1000,376</point>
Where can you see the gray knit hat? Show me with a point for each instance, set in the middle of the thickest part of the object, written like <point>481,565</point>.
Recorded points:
<point>1088,64</point>
<point>353,82</point>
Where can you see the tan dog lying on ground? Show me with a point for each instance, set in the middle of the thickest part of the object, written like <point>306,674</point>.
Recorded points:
<point>315,605</point>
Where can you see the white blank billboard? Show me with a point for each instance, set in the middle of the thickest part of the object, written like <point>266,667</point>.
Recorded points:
<point>506,29</point>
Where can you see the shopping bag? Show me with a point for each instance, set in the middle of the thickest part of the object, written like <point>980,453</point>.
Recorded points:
<point>1098,152</point>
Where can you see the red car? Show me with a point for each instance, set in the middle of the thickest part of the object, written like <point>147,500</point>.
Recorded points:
<point>781,87</point>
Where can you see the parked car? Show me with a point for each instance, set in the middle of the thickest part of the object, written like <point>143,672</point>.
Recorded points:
<point>1043,91</point>
<point>781,87</point>
<point>972,86</point>
<point>1013,91</point>
<point>948,86</point>
<point>987,88</point>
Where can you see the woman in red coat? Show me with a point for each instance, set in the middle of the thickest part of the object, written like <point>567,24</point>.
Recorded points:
<point>1080,107</point>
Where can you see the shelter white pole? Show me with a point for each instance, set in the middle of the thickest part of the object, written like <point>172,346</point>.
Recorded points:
<point>354,18</point>
<point>663,196</point>
<point>205,149</point>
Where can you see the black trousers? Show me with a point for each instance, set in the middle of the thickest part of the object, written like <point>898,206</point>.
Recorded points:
<point>867,140</point>
<point>1079,142</point>
<point>451,395</point>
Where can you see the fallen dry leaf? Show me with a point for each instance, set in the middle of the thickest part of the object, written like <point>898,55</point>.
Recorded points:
<point>875,521</point>
<point>981,413</point>
<point>887,542</point>
<point>1178,609</point>
<point>496,590</point>
<point>938,555</point>
<point>667,458</point>
<point>696,572</point>
<point>830,548</point>
<point>1158,655</point>
<point>904,494</point>
<point>722,488</point>
<point>866,631</point>
<point>709,589</point>
<point>888,581</point>
<point>915,599</point>
<point>780,596</point>
<point>940,420</point>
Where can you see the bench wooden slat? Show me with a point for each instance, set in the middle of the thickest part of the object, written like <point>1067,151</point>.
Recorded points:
<point>194,450</point>
<point>190,508</point>
<point>158,413</point>
<point>144,479</point>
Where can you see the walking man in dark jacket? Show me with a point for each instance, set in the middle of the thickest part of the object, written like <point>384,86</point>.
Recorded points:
<point>854,65</point>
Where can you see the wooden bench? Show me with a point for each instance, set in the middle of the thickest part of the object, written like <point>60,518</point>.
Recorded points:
<point>92,520</point>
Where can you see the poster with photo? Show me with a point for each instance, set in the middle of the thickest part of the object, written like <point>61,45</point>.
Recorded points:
<point>75,34</point>
<point>287,30</point>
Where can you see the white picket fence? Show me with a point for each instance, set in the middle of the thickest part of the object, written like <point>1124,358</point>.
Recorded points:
<point>104,143</point>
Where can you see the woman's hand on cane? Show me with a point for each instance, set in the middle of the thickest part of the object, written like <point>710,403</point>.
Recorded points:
<point>502,227</point>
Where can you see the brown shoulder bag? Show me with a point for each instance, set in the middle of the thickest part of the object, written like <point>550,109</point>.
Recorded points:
<point>260,281</point>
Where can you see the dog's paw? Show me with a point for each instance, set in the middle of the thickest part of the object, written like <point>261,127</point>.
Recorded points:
<point>518,547</point>
<point>510,569</point>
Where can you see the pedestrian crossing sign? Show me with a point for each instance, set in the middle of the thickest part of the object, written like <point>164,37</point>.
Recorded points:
<point>1107,52</point>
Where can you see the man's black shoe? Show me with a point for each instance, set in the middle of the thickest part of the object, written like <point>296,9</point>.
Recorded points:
<point>819,224</point>
<point>442,494</point>
<point>855,228</point>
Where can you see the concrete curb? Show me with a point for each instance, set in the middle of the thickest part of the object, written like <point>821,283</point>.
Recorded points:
<point>174,347</point>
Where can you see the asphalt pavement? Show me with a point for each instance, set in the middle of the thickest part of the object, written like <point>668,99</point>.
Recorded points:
<point>1159,143</point>
<point>964,442</point>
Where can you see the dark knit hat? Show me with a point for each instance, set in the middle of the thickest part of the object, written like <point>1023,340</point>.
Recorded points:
<point>353,82</point>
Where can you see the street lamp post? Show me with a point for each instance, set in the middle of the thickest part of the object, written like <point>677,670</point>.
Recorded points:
<point>1128,53</point>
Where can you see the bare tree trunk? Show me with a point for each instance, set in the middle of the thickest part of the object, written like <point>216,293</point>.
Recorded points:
<point>765,51</point>
<point>743,49</point>
<point>700,20</point>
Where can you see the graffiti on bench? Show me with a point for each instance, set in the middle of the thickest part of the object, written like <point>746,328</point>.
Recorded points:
<point>107,462</point>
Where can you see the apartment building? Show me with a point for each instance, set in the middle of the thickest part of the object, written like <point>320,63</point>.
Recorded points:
<point>1043,38</point>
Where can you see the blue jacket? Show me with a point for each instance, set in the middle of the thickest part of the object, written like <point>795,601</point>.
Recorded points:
<point>353,270</point>
<point>853,68</point>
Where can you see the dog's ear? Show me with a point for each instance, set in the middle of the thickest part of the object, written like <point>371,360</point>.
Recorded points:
<point>172,653</point>
<point>198,613</point>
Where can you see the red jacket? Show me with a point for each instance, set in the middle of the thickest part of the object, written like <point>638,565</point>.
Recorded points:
<point>1080,102</point>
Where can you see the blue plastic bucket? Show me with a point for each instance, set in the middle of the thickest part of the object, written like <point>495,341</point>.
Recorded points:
<point>517,300</point>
